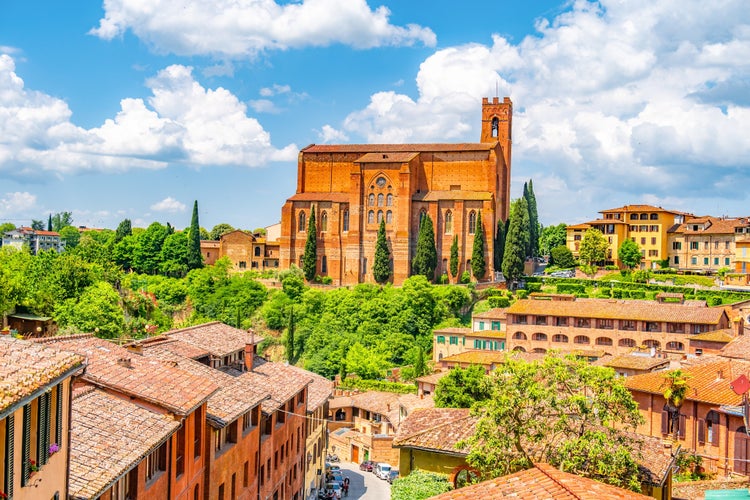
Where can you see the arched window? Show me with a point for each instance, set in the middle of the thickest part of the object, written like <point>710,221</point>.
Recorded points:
<point>302,221</point>
<point>371,199</point>
<point>519,336</point>
<point>675,346</point>
<point>626,343</point>
<point>652,343</point>
<point>371,217</point>
<point>711,435</point>
<point>389,200</point>
<point>539,350</point>
<point>495,126</point>
<point>388,217</point>
<point>346,221</point>
<point>257,251</point>
<point>472,222</point>
<point>542,337</point>
<point>323,264</point>
<point>380,216</point>
<point>300,261</point>
<point>603,341</point>
<point>380,200</point>
<point>581,339</point>
<point>519,349</point>
<point>448,222</point>
<point>422,215</point>
<point>323,222</point>
<point>560,338</point>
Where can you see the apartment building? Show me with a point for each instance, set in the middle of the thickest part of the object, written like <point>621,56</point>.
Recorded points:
<point>487,333</point>
<point>705,244</point>
<point>33,239</point>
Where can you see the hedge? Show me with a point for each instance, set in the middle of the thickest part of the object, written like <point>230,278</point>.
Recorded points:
<point>498,302</point>
<point>377,385</point>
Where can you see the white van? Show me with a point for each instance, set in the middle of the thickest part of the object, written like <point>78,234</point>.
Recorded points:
<point>382,470</point>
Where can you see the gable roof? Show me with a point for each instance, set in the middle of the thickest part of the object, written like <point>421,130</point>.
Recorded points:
<point>436,429</point>
<point>109,436</point>
<point>397,148</point>
<point>632,362</point>
<point>494,313</point>
<point>217,338</point>
<point>387,404</point>
<point>738,348</point>
<point>28,367</point>
<point>541,482</point>
<point>318,392</point>
<point>282,381</point>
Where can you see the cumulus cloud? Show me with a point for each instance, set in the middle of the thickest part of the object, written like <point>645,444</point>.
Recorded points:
<point>613,101</point>
<point>241,28</point>
<point>169,205</point>
<point>16,203</point>
<point>181,122</point>
<point>330,134</point>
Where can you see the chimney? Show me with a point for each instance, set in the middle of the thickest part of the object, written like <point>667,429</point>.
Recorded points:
<point>125,362</point>
<point>250,351</point>
<point>388,406</point>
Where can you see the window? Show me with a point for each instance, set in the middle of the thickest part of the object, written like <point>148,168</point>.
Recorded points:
<point>242,264</point>
<point>653,241</point>
<point>346,221</point>
<point>654,217</point>
<point>708,429</point>
<point>633,216</point>
<point>380,181</point>
<point>643,241</point>
<point>371,200</point>
<point>676,245</point>
<point>716,261</point>
<point>581,339</point>
<point>560,338</point>
<point>675,346</point>
<point>156,462</point>
<point>561,321</point>
<point>389,217</point>
<point>323,222</point>
<point>694,260</point>
<point>540,337</point>
<point>676,259</point>
<point>302,222</point>
<point>496,325</point>
<point>705,245</point>
<point>380,216</point>
<point>652,343</point>
<point>705,261</point>
<point>653,229</point>
<point>477,344</point>
<point>540,320</point>
<point>324,264</point>
<point>693,245</point>
<point>643,216</point>
<point>520,319</point>
<point>726,261</point>
<point>673,422</point>
<point>124,489</point>
<point>519,336</point>
<point>389,200</point>
<point>440,339</point>
<point>643,228</point>
<point>627,324</point>
<point>675,327</point>
<point>472,222</point>
<point>606,324</point>
<point>603,341</point>
<point>626,343</point>
<point>448,222</point>
<point>380,200</point>
<point>583,323</point>
<point>453,340</point>
<point>371,217</point>
<point>495,126</point>
<point>481,325</point>
<point>653,253</point>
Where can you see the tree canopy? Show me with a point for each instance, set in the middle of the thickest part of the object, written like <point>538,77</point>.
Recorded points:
<point>593,249</point>
<point>381,269</point>
<point>533,228</point>
<point>561,256</point>
<point>462,387</point>
<point>220,230</point>
<point>478,262</point>
<point>629,253</point>
<point>552,237</point>
<point>310,258</point>
<point>419,485</point>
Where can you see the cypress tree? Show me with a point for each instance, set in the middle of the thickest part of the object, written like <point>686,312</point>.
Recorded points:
<point>49,223</point>
<point>516,241</point>
<point>381,269</point>
<point>528,193</point>
<point>310,258</point>
<point>478,264</point>
<point>425,260</point>
<point>454,257</point>
<point>499,245</point>
<point>290,338</point>
<point>194,258</point>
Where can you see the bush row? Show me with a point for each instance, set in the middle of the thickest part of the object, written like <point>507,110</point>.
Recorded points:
<point>377,385</point>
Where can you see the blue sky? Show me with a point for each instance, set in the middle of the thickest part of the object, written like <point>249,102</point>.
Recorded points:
<point>135,108</point>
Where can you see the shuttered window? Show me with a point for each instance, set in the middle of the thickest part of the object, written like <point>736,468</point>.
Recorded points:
<point>682,424</point>
<point>10,426</point>
<point>59,414</point>
<point>43,428</point>
<point>701,431</point>
<point>26,445</point>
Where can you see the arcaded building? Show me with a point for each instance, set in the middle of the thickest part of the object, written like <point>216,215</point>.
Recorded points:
<point>352,187</point>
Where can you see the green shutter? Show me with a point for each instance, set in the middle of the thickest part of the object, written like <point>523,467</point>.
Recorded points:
<point>10,427</point>
<point>26,446</point>
<point>43,425</point>
<point>59,414</point>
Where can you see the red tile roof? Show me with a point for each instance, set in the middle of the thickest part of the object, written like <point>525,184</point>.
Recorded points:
<point>436,429</point>
<point>28,367</point>
<point>433,378</point>
<point>217,338</point>
<point>318,392</point>
<point>641,208</point>
<point>394,148</point>
<point>387,404</point>
<point>282,381</point>
<point>109,436</point>
<point>738,348</point>
<point>313,196</point>
<point>632,362</point>
<point>494,313</point>
<point>541,482</point>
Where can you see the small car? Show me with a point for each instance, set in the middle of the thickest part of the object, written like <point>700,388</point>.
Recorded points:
<point>336,477</point>
<point>392,475</point>
<point>382,470</point>
<point>367,465</point>
<point>335,488</point>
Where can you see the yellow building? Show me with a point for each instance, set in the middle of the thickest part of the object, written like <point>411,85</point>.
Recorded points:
<point>706,244</point>
<point>646,225</point>
<point>487,334</point>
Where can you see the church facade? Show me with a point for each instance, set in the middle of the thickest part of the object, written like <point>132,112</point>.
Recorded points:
<point>352,187</point>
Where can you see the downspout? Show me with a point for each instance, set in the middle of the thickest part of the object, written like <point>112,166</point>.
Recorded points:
<point>726,447</point>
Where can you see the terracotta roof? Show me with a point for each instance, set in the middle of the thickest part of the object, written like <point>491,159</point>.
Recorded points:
<point>708,382</point>
<point>282,381</point>
<point>324,196</point>
<point>173,345</point>
<point>717,225</point>
<point>724,336</point>
<point>384,403</point>
<point>217,338</point>
<point>436,429</point>
<point>28,367</point>
<point>582,225</point>
<point>393,148</point>
<point>490,334</point>
<point>632,362</point>
<point>453,329</point>
<point>319,391</point>
<point>605,221</point>
<point>641,208</point>
<point>452,195</point>
<point>391,157</point>
<point>476,357</point>
<point>494,313</point>
<point>738,348</point>
<point>433,378</point>
<point>109,436</point>
<point>541,482</point>
<point>109,365</point>
<point>210,243</point>
<point>640,310</point>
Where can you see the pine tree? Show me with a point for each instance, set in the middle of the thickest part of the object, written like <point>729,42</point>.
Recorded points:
<point>310,258</point>
<point>381,270</point>
<point>528,193</point>
<point>516,241</point>
<point>420,367</point>
<point>290,338</point>
<point>425,260</point>
<point>454,257</point>
<point>478,264</point>
<point>499,245</point>
<point>195,259</point>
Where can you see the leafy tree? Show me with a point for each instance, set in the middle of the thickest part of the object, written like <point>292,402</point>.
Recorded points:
<point>629,254</point>
<point>516,241</point>
<point>194,256</point>
<point>366,363</point>
<point>293,285</point>
<point>5,227</point>
<point>425,259</point>
<point>462,387</point>
<point>499,246</point>
<point>310,258</point>
<point>561,256</point>
<point>289,341</point>
<point>37,225</point>
<point>60,220</point>
<point>552,237</point>
<point>419,364</point>
<point>49,223</point>
<point>478,264</point>
<point>220,230</point>
<point>70,236</point>
<point>593,249</point>
<point>454,257</point>
<point>13,267</point>
<point>528,193</point>
<point>173,258</point>
<point>675,387</point>
<point>419,485</point>
<point>562,411</point>
<point>123,252</point>
<point>124,228</point>
<point>147,253</point>
<point>381,269</point>
<point>97,311</point>
<point>204,234</point>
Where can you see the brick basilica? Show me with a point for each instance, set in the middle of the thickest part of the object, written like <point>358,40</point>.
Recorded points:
<point>352,187</point>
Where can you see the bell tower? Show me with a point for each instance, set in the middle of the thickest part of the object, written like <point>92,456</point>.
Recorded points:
<point>497,118</point>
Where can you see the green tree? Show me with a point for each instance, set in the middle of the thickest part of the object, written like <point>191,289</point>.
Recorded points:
<point>60,220</point>
<point>293,284</point>
<point>629,254</point>
<point>381,269</point>
<point>147,252</point>
<point>13,267</point>
<point>194,256</point>
<point>173,258</point>
<point>49,223</point>
<point>454,258</point>
<point>425,259</point>
<point>123,252</point>
<point>289,341</point>
<point>593,249</point>
<point>478,264</point>
<point>70,236</point>
<point>675,386</point>
<point>462,387</point>
<point>499,246</point>
<point>310,258</point>
<point>5,227</point>
<point>516,241</point>
<point>552,237</point>
<point>562,411</point>
<point>561,256</point>
<point>419,485</point>
<point>419,364</point>
<point>97,311</point>
<point>220,230</point>
<point>37,225</point>
<point>124,228</point>
<point>528,193</point>
<point>365,362</point>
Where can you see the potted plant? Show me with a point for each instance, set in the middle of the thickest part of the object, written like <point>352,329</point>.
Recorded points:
<point>54,448</point>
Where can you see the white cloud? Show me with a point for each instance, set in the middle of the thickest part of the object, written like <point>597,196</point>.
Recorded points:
<point>330,134</point>
<point>617,101</point>
<point>168,204</point>
<point>275,89</point>
<point>241,28</point>
<point>181,122</point>
<point>263,106</point>
<point>16,203</point>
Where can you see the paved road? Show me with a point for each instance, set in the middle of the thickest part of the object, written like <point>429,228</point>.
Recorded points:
<point>364,485</point>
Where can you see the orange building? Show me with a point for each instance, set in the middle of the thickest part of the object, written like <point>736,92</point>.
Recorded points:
<point>353,187</point>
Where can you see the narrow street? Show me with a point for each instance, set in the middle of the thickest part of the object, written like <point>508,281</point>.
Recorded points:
<point>365,485</point>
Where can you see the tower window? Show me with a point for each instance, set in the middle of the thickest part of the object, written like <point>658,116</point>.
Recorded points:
<point>302,220</point>
<point>389,200</point>
<point>346,221</point>
<point>371,217</point>
<point>495,126</point>
<point>324,222</point>
<point>448,222</point>
<point>380,216</point>
<point>380,200</point>
<point>472,222</point>
<point>371,199</point>
<point>388,217</point>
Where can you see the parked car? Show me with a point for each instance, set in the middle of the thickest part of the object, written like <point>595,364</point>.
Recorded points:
<point>392,475</point>
<point>367,465</point>
<point>332,467</point>
<point>335,491</point>
<point>336,477</point>
<point>382,470</point>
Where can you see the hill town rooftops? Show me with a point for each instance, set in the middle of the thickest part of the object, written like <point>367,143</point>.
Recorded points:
<point>217,338</point>
<point>436,429</point>
<point>282,381</point>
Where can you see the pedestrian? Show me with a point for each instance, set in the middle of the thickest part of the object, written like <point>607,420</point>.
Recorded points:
<point>345,487</point>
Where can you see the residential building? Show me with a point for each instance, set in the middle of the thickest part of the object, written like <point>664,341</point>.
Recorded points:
<point>34,240</point>
<point>246,251</point>
<point>35,418</point>
<point>646,225</point>
<point>353,187</point>
<point>487,334</point>
<point>634,363</point>
<point>705,244</point>
<point>427,384</point>
<point>564,322</point>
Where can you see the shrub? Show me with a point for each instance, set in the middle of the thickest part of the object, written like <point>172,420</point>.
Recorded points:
<point>641,276</point>
<point>377,385</point>
<point>443,280</point>
<point>326,280</point>
<point>534,287</point>
<point>498,302</point>
<point>714,300</point>
<point>466,277</point>
<point>617,293</point>
<point>570,288</point>
<point>611,268</point>
<point>637,294</point>
<point>522,294</point>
